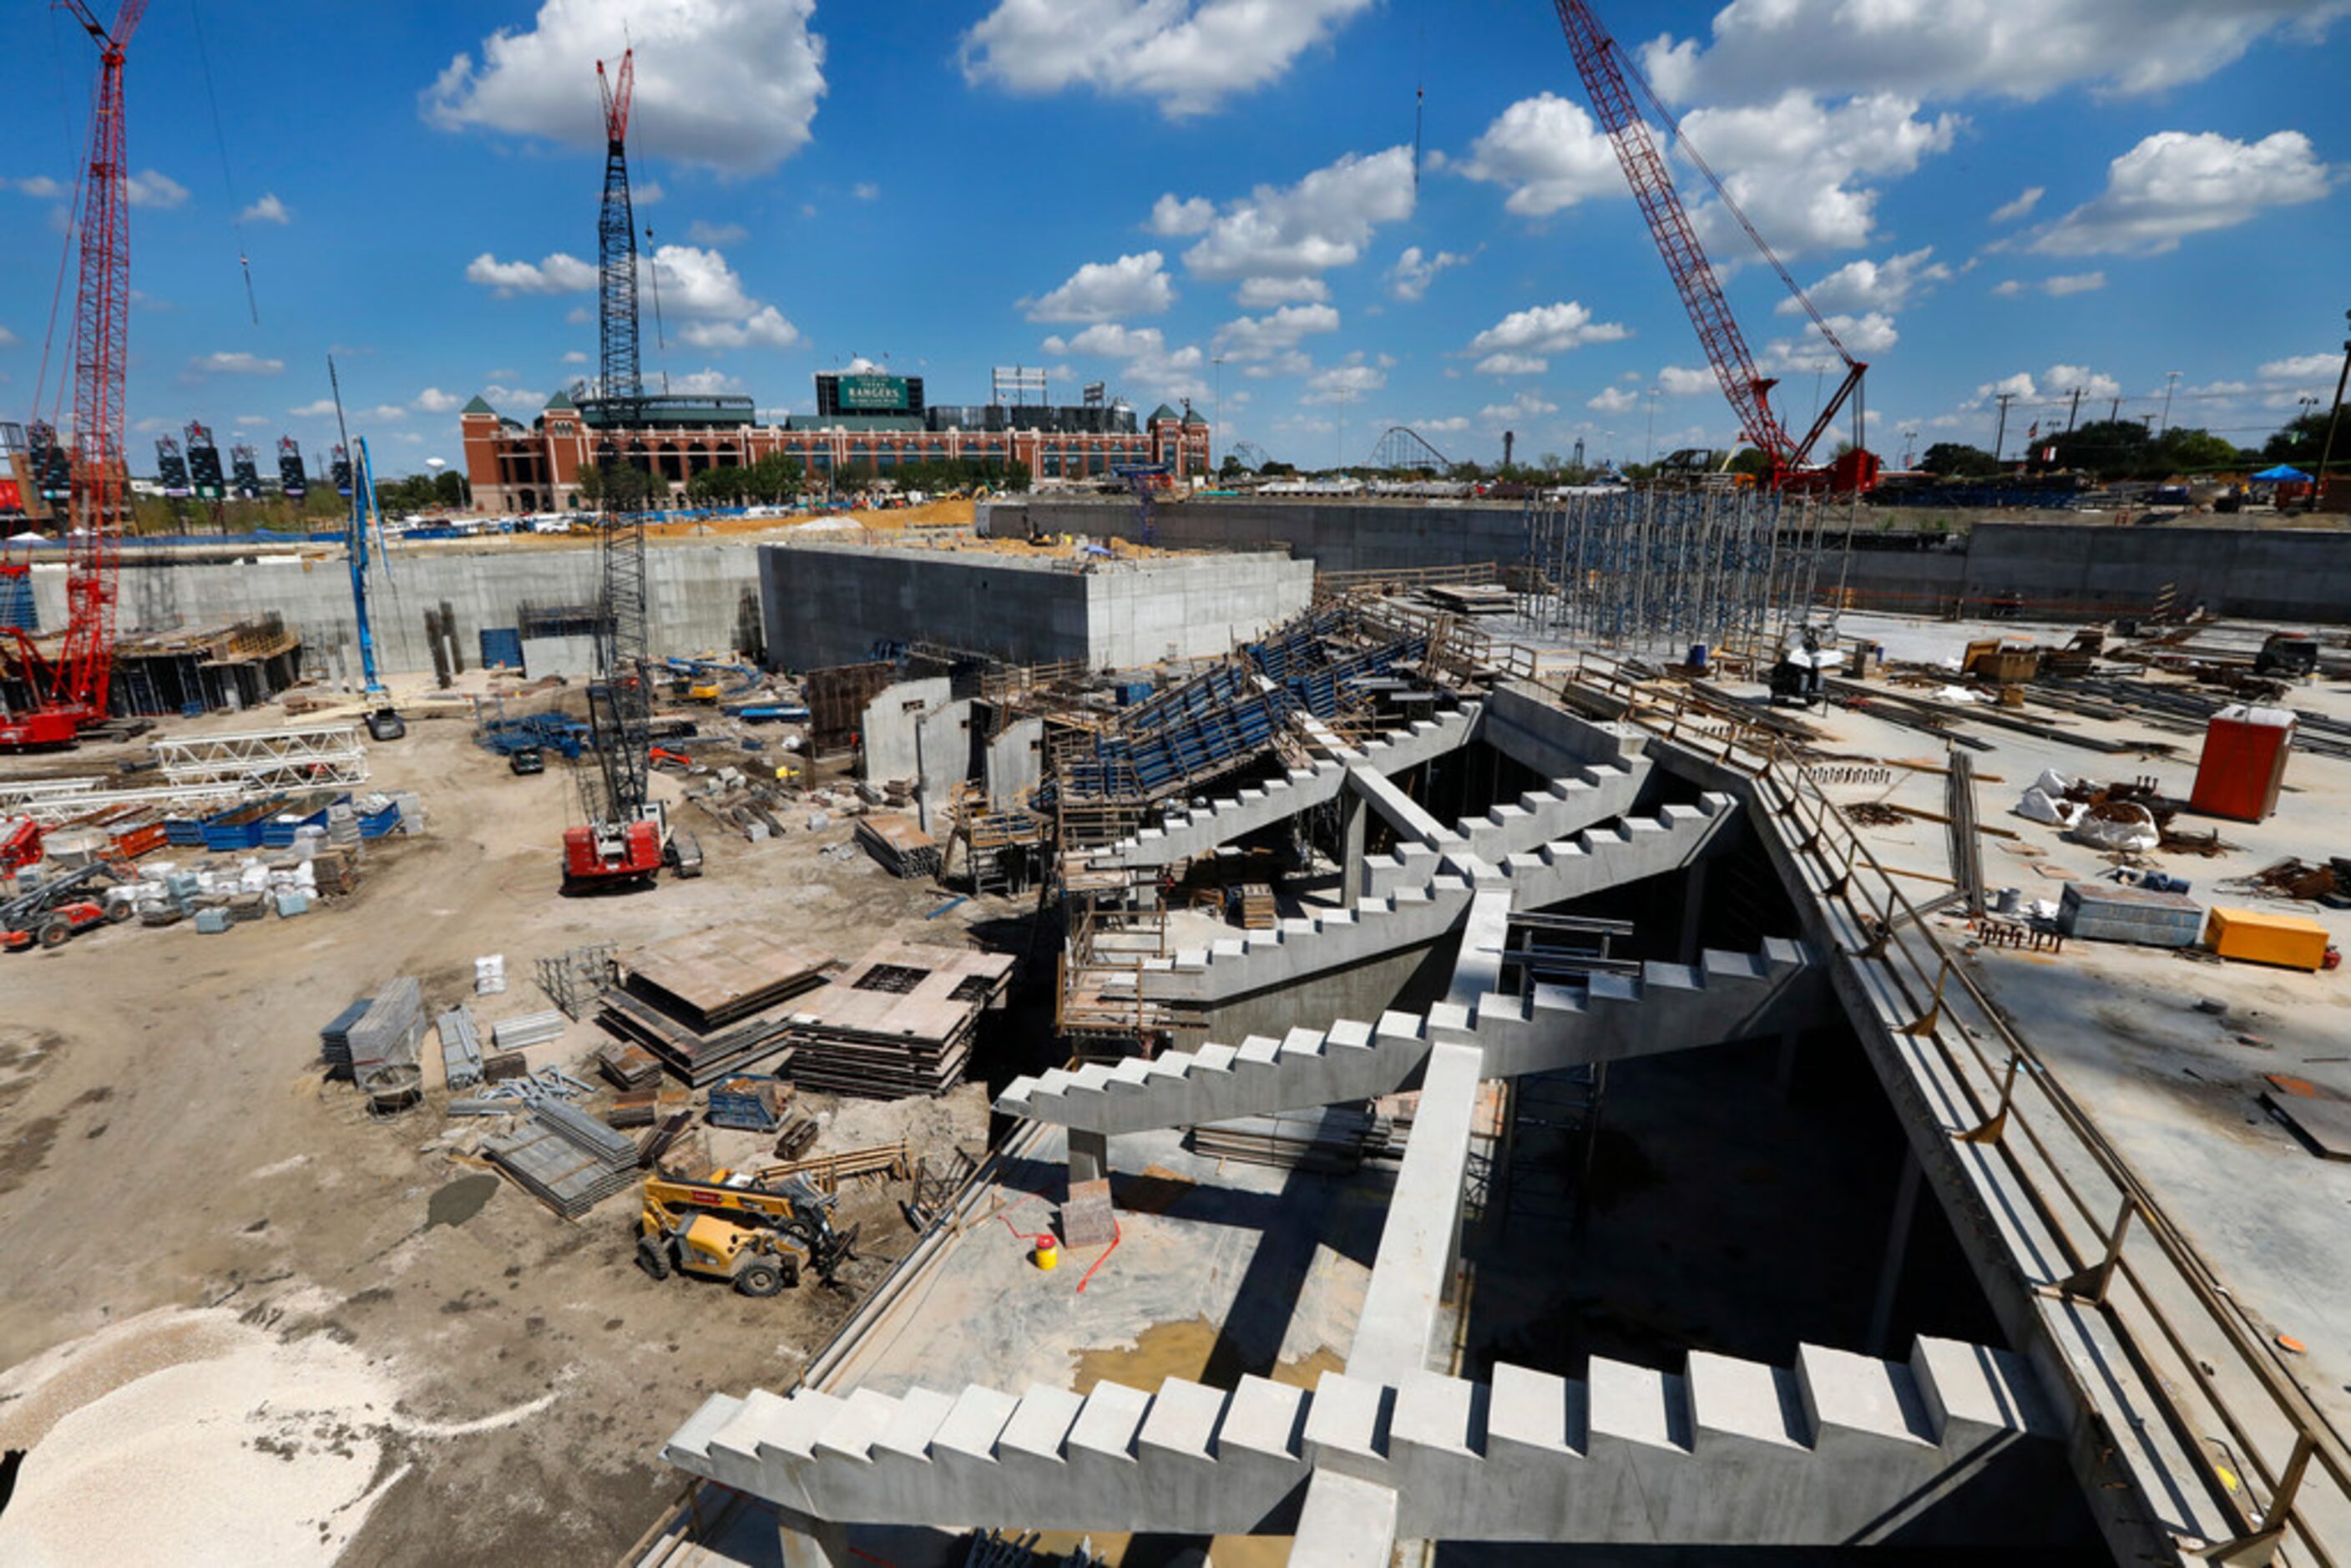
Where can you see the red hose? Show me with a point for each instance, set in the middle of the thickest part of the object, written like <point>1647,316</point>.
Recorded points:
<point>1116,1235</point>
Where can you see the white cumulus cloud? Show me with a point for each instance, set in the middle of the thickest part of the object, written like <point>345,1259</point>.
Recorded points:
<point>2026,200</point>
<point>1864,284</point>
<point>1615,399</point>
<point>1951,48</point>
<point>764,328</point>
<point>1303,230</point>
<point>2176,183</point>
<point>1550,152</point>
<point>1508,364</point>
<point>1190,216</point>
<point>1546,329</point>
<point>1269,337</point>
<point>149,189</point>
<point>1106,290</point>
<point>1265,293</point>
<point>433,400</point>
<point>1416,270</point>
<point>268,210</point>
<point>557,274</point>
<point>1187,54</point>
<point>237,363</point>
<point>1798,166</point>
<point>732,84</point>
<point>2057,288</point>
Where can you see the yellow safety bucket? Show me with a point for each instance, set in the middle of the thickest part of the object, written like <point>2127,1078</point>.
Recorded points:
<point>1048,1254</point>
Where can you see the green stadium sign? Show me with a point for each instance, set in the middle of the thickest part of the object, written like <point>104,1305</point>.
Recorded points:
<point>873,394</point>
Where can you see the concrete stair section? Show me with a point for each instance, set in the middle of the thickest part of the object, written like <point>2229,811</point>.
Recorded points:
<point>1413,912</point>
<point>1835,1448</point>
<point>1572,865</point>
<point>1669,1006</point>
<point>1185,834</point>
<point>1564,807</point>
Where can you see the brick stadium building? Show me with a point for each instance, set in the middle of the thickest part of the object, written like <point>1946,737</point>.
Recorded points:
<point>865,426</point>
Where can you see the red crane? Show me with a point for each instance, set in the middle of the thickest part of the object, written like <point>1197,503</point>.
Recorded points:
<point>1608,78</point>
<point>69,690</point>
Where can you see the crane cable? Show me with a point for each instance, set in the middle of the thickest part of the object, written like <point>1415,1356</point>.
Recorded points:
<point>1681,140</point>
<point>219,142</point>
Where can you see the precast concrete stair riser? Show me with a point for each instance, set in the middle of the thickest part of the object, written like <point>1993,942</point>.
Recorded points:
<point>1560,810</point>
<point>1184,835</point>
<point>1667,1008</point>
<point>1414,914</point>
<point>1726,1451</point>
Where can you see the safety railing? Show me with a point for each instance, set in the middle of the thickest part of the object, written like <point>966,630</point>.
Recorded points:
<point>2275,1464</point>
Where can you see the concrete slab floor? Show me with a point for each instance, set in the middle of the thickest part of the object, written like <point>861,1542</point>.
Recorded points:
<point>2176,1089</point>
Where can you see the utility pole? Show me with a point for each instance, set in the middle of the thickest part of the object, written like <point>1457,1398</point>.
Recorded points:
<point>2327,454</point>
<point>1219,362</point>
<point>2114,411</point>
<point>2171,379</point>
<point>1999,433</point>
<point>1910,449</point>
<point>2075,413</point>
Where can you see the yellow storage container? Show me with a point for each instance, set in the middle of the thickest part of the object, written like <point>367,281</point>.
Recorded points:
<point>2254,936</point>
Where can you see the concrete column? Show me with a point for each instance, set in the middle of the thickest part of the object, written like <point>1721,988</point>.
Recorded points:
<point>1693,909</point>
<point>1353,821</point>
<point>1345,1523</point>
<point>1898,1244</point>
<point>811,1542</point>
<point>1089,1156</point>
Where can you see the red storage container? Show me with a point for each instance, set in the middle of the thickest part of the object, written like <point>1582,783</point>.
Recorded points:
<point>2244,764</point>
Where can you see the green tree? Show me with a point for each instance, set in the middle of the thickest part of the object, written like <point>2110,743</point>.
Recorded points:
<point>774,479</point>
<point>1753,461</point>
<point>1958,460</point>
<point>2189,450</point>
<point>1231,468</point>
<point>2302,442</point>
<point>451,488</point>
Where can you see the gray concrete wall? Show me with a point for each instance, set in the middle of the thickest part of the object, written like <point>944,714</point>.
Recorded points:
<point>1016,762</point>
<point>892,727</point>
<point>1336,536</point>
<point>2293,574</point>
<point>831,604</point>
<point>696,591</point>
<point>2097,570</point>
<point>828,605</point>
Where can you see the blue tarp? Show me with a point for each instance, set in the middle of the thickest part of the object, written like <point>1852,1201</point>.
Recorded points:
<point>2282,474</point>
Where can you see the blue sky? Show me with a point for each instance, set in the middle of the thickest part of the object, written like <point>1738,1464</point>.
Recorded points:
<point>2082,195</point>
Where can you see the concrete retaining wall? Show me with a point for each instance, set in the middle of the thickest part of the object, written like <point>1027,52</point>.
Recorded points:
<point>695,595</point>
<point>831,604</point>
<point>2090,568</point>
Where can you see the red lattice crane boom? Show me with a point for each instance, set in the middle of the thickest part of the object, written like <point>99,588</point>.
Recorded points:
<point>1608,78</point>
<point>71,689</point>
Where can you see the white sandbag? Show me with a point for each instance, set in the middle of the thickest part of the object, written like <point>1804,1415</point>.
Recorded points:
<point>2133,834</point>
<point>2040,806</point>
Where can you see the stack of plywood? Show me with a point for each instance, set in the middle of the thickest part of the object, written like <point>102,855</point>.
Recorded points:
<point>900,845</point>
<point>709,1003</point>
<point>899,1021</point>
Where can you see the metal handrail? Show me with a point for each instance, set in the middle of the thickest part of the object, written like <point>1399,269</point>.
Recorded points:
<point>1894,925</point>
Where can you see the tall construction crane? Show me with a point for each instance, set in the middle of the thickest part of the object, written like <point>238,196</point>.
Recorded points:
<point>626,839</point>
<point>1608,76</point>
<point>70,691</point>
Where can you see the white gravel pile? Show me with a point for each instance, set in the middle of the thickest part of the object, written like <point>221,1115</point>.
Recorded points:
<point>184,1437</point>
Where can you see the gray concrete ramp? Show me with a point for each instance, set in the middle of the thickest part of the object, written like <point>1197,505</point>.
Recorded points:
<point>1838,1448</point>
<point>1667,1008</point>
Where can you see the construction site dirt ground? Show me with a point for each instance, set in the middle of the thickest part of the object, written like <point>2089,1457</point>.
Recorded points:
<point>241,1318</point>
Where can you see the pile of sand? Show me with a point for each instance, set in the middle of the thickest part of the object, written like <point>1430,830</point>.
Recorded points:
<point>184,1437</point>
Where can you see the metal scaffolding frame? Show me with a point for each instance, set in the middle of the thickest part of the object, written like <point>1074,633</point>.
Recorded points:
<point>1659,569</point>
